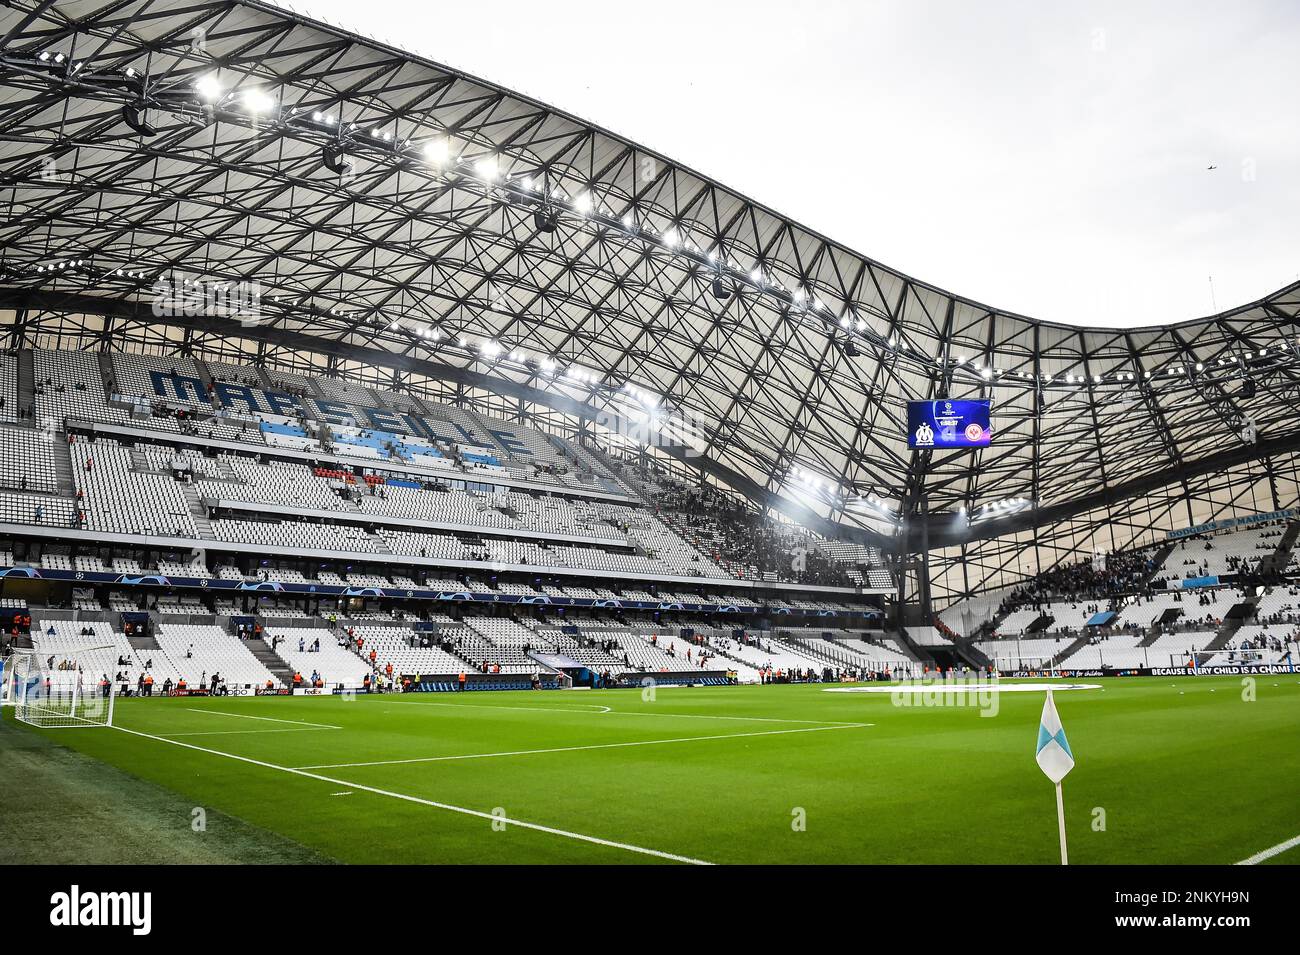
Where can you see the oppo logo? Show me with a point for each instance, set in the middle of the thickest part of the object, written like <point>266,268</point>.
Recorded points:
<point>76,908</point>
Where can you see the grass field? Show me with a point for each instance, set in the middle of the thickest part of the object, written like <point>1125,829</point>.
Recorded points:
<point>1185,771</point>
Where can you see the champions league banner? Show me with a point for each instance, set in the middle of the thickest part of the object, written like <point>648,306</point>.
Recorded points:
<point>945,424</point>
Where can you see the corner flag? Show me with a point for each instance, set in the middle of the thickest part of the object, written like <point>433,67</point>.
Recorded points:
<point>1054,759</point>
<point>1053,754</point>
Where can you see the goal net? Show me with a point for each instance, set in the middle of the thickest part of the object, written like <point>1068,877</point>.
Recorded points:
<point>1012,663</point>
<point>53,689</point>
<point>1229,657</point>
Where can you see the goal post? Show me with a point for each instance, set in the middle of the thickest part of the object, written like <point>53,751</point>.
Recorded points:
<point>1012,662</point>
<point>1228,657</point>
<point>52,689</point>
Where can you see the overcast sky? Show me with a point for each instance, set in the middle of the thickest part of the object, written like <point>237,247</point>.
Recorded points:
<point>1045,158</point>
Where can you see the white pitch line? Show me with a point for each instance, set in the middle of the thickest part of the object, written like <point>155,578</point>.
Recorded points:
<point>607,711</point>
<point>574,749</point>
<point>536,827</point>
<point>287,729</point>
<point>489,706</point>
<point>269,719</point>
<point>1269,853</point>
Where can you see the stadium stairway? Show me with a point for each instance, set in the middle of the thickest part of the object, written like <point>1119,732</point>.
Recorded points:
<point>106,373</point>
<point>718,652</point>
<point>205,375</point>
<point>308,412</point>
<point>911,648</point>
<point>1158,562</point>
<point>801,648</point>
<point>277,664</point>
<point>63,468</point>
<point>421,406</point>
<point>1074,647</point>
<point>140,641</point>
<point>314,386</point>
<point>973,655</point>
<point>27,380</point>
<point>198,511</point>
<point>1225,633</point>
<point>990,626</point>
<point>1276,562</point>
<point>1152,635</point>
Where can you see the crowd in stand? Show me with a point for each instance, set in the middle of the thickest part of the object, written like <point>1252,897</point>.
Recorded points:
<point>739,538</point>
<point>1193,566</point>
<point>1090,580</point>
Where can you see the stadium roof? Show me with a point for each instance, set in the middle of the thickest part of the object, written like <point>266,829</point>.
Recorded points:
<point>469,233</point>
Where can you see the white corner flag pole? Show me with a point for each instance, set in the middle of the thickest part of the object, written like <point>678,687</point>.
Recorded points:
<point>1060,823</point>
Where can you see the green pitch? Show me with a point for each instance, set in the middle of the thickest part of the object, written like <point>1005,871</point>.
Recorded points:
<point>1172,770</point>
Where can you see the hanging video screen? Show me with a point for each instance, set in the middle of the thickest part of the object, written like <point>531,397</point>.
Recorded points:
<point>943,424</point>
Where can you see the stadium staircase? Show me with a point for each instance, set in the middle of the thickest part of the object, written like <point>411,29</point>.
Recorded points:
<point>1225,633</point>
<point>268,384</point>
<point>1077,645</point>
<point>27,380</point>
<point>198,511</point>
<point>63,469</point>
<point>209,383</point>
<point>715,650</point>
<point>264,655</point>
<point>421,407</point>
<point>804,649</point>
<point>143,641</point>
<point>1276,562</point>
<point>277,664</point>
<point>375,400</point>
<point>314,386</point>
<point>973,655</point>
<point>911,648</point>
<point>1158,562</point>
<point>1152,635</point>
<point>106,372</point>
<point>990,626</point>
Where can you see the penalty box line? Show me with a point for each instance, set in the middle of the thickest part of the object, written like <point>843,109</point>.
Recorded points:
<point>536,827</point>
<point>574,749</point>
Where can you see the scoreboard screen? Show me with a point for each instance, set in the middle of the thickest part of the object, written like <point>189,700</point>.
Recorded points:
<point>947,424</point>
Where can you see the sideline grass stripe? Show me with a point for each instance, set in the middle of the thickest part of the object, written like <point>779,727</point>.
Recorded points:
<point>574,749</point>
<point>550,830</point>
